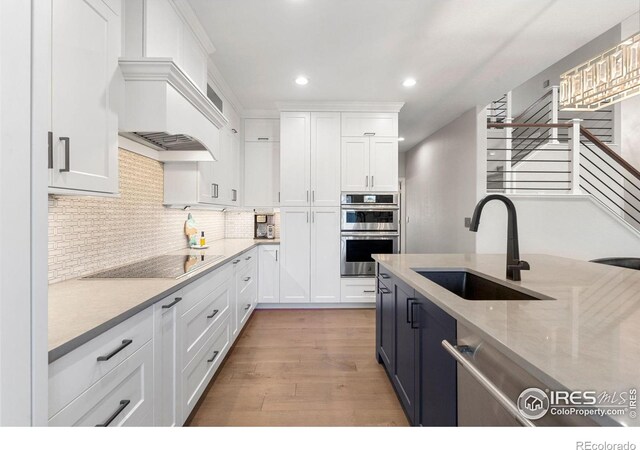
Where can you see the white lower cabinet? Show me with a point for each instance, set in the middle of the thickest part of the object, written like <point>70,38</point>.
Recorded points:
<point>310,255</point>
<point>358,290</point>
<point>123,397</point>
<point>167,362</point>
<point>152,368</point>
<point>269,274</point>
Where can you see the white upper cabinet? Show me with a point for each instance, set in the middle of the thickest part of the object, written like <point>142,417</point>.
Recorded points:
<point>370,124</point>
<point>261,174</point>
<point>383,164</point>
<point>295,154</point>
<point>85,46</point>
<point>325,159</point>
<point>355,164</point>
<point>261,130</point>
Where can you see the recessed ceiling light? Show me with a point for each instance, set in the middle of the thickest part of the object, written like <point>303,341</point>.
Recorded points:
<point>301,80</point>
<point>409,82</point>
<point>400,139</point>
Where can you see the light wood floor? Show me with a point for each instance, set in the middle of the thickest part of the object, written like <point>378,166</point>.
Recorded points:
<point>303,368</point>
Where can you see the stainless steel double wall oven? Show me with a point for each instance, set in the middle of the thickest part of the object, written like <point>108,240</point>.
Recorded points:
<point>370,224</point>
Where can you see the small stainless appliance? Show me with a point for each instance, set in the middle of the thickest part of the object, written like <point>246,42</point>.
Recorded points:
<point>369,226</point>
<point>264,226</point>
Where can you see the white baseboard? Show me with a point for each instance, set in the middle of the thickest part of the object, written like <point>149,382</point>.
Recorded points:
<point>316,306</point>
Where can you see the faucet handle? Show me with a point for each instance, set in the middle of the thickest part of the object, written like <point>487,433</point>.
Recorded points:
<point>522,265</point>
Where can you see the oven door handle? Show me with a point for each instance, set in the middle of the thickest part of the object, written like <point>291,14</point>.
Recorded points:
<point>389,207</point>
<point>367,234</point>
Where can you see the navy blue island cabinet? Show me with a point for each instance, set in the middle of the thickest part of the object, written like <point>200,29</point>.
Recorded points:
<point>409,334</point>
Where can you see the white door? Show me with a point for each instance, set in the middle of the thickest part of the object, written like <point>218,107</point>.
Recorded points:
<point>84,70</point>
<point>325,255</point>
<point>223,168</point>
<point>167,369</point>
<point>261,174</point>
<point>207,189</point>
<point>269,274</point>
<point>295,153</point>
<point>383,164</point>
<point>295,247</point>
<point>355,164</point>
<point>325,159</point>
<point>235,168</point>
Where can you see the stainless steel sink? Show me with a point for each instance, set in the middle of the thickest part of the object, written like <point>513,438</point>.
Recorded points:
<point>474,287</point>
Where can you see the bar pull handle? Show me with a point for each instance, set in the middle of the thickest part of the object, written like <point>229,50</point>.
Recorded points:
<point>167,306</point>
<point>366,180</point>
<point>409,310</point>
<point>369,291</point>
<point>213,357</point>
<point>123,405</point>
<point>369,134</point>
<point>385,291</point>
<point>247,278</point>
<point>412,321</point>
<point>386,276</point>
<point>50,149</point>
<point>496,393</point>
<point>263,138</point>
<point>247,258</point>
<point>313,196</point>
<point>67,155</point>
<point>307,196</point>
<point>213,314</point>
<point>124,345</point>
<point>372,183</point>
<point>236,261</point>
<point>307,216</point>
<point>247,307</point>
<point>276,255</point>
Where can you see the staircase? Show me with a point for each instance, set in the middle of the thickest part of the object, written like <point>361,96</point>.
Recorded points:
<point>545,151</point>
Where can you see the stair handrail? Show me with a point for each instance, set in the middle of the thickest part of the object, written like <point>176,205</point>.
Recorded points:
<point>532,106</point>
<point>609,152</point>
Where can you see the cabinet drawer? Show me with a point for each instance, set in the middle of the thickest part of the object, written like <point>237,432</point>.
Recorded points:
<point>370,124</point>
<point>78,370</point>
<point>123,397</point>
<point>201,369</point>
<point>246,278</point>
<point>202,318</point>
<point>248,258</point>
<point>358,290</point>
<point>262,130</point>
<point>194,292</point>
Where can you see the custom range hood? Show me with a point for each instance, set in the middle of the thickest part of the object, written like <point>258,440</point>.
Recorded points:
<point>165,110</point>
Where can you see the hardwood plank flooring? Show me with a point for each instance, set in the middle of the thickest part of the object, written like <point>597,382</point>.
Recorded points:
<point>303,368</point>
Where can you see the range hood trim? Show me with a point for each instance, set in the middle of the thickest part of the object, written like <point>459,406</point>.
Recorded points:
<point>164,69</point>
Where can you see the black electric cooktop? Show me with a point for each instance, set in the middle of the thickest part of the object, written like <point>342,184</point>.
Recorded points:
<point>165,266</point>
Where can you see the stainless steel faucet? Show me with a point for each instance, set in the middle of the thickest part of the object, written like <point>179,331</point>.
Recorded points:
<point>514,264</point>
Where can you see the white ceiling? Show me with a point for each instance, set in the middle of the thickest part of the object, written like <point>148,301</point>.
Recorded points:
<point>462,52</point>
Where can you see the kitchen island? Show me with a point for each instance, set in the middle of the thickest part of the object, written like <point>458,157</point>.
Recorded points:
<point>584,337</point>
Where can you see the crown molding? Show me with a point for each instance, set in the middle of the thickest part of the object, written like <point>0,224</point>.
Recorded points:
<point>393,107</point>
<point>191,19</point>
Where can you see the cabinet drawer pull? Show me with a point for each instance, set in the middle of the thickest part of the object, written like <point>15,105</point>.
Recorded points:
<point>67,155</point>
<point>410,309</point>
<point>236,261</point>
<point>413,324</point>
<point>385,276</point>
<point>385,291</point>
<point>372,183</point>
<point>213,357</point>
<point>366,180</point>
<point>124,344</point>
<point>263,138</point>
<point>247,307</point>
<point>369,291</point>
<point>369,134</point>
<point>123,405</point>
<point>247,278</point>
<point>177,299</point>
<point>213,314</point>
<point>50,150</point>
<point>247,258</point>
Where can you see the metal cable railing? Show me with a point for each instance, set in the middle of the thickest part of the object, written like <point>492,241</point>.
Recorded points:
<point>577,161</point>
<point>497,110</point>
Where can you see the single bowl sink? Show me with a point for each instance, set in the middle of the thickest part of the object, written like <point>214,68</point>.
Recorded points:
<point>474,287</point>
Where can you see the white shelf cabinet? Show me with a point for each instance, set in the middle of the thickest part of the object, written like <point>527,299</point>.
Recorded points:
<point>369,164</point>
<point>261,174</point>
<point>262,130</point>
<point>358,124</point>
<point>85,84</point>
<point>269,274</point>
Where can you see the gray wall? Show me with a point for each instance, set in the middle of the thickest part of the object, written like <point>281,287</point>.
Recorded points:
<point>442,185</point>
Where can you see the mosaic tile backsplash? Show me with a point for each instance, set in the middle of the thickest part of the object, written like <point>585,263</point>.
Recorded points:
<point>89,234</point>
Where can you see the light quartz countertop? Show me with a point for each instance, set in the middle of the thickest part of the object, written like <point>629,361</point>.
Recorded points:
<point>587,338</point>
<point>81,309</point>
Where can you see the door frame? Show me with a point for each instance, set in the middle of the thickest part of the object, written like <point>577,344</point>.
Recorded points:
<point>402,191</point>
